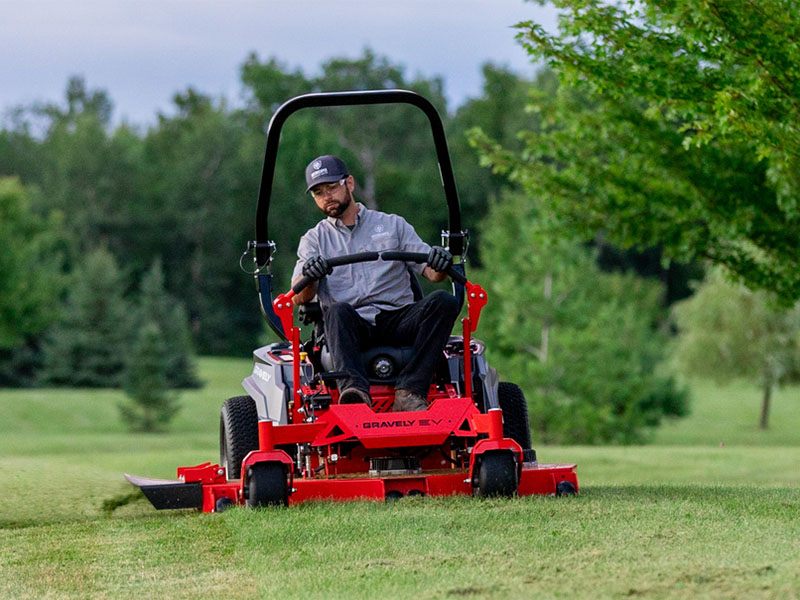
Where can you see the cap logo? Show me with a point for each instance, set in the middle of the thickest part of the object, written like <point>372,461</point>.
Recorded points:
<point>319,173</point>
<point>317,164</point>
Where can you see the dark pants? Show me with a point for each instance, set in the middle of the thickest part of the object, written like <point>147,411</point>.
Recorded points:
<point>424,325</point>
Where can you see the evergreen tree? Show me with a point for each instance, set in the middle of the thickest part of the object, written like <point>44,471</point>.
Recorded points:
<point>582,343</point>
<point>150,405</point>
<point>157,306</point>
<point>87,345</point>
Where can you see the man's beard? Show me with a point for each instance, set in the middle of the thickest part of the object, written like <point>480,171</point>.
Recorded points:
<point>335,208</point>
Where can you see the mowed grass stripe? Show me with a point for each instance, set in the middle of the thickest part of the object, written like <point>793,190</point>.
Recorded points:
<point>661,541</point>
<point>685,517</point>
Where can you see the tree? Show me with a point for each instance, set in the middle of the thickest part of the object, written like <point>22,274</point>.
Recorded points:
<point>675,126</point>
<point>150,405</point>
<point>29,273</point>
<point>30,281</point>
<point>88,343</point>
<point>499,111</point>
<point>727,331</point>
<point>582,343</point>
<point>157,306</point>
<point>196,205</point>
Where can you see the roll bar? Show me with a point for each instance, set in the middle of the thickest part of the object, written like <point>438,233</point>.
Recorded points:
<point>263,247</point>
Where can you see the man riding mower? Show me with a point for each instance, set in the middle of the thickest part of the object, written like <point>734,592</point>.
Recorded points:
<point>380,401</point>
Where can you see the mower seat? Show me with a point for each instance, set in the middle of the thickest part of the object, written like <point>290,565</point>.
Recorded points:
<point>381,363</point>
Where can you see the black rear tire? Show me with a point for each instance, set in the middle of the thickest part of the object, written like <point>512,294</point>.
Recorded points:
<point>515,413</point>
<point>267,485</point>
<point>238,433</point>
<point>497,475</point>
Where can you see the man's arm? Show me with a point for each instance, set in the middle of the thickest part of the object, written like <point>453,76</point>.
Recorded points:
<point>434,276</point>
<point>307,294</point>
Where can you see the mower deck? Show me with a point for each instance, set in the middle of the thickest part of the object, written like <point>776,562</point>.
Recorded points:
<point>370,435</point>
<point>211,492</point>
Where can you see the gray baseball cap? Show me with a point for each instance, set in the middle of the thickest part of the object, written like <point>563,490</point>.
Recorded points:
<point>325,169</point>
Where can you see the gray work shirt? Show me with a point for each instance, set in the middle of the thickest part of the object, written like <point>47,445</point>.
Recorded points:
<point>369,287</point>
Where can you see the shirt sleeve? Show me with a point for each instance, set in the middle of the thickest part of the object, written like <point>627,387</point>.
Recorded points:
<point>411,242</point>
<point>306,248</point>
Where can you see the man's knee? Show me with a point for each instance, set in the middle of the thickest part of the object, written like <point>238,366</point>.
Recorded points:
<point>338,312</point>
<point>445,303</point>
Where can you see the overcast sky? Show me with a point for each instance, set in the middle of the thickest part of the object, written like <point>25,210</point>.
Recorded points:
<point>142,52</point>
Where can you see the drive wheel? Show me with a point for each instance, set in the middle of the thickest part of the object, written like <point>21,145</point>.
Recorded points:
<point>497,475</point>
<point>515,413</point>
<point>266,485</point>
<point>238,433</point>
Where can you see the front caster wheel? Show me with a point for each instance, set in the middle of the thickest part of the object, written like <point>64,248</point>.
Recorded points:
<point>566,488</point>
<point>267,485</point>
<point>497,475</point>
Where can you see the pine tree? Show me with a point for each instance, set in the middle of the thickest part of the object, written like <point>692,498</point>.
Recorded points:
<point>580,342</point>
<point>88,343</point>
<point>150,405</point>
<point>155,305</point>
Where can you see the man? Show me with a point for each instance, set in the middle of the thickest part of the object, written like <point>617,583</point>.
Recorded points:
<point>371,303</point>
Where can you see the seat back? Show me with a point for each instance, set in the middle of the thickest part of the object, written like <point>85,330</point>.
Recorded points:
<point>382,364</point>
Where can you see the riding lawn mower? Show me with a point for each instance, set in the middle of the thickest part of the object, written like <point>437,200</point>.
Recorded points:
<point>289,440</point>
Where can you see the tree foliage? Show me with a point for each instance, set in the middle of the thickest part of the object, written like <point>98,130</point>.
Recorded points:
<point>156,306</point>
<point>726,331</point>
<point>30,281</point>
<point>29,268</point>
<point>88,343</point>
<point>582,343</point>
<point>676,125</point>
<point>150,405</point>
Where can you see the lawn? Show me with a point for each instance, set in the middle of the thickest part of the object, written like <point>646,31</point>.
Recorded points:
<point>709,509</point>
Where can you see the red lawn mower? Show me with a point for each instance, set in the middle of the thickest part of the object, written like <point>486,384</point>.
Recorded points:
<point>289,440</point>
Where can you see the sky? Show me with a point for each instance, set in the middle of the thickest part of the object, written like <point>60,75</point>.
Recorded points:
<point>143,52</point>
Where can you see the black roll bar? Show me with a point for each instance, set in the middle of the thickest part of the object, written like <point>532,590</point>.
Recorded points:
<point>327,99</point>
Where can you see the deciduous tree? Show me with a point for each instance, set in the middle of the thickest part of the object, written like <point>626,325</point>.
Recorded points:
<point>676,125</point>
<point>726,331</point>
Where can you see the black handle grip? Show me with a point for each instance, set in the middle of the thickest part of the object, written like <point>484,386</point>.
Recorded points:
<point>413,257</point>
<point>337,261</point>
<point>421,258</point>
<point>349,259</point>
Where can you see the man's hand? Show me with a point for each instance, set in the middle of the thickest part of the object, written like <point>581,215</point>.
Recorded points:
<point>317,268</point>
<point>439,259</point>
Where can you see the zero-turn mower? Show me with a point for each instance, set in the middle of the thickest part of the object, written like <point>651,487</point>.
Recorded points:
<point>288,440</point>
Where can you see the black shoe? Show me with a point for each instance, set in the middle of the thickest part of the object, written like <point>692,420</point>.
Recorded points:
<point>354,396</point>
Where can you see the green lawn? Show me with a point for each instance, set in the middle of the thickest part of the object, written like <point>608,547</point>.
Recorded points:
<point>709,509</point>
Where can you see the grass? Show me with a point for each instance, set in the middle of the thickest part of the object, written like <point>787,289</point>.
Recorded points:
<point>683,517</point>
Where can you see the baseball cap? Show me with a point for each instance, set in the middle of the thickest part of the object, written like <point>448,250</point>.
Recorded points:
<point>325,169</point>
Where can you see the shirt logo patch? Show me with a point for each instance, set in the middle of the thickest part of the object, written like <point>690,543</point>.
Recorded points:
<point>379,229</point>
